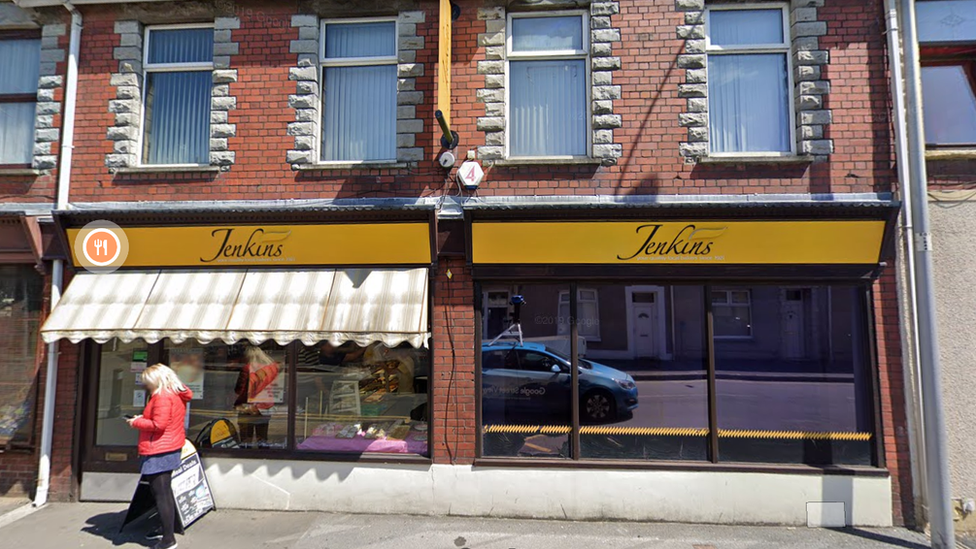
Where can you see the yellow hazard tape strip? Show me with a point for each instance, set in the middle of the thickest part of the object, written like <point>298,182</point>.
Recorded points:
<point>659,431</point>
<point>674,432</point>
<point>529,429</point>
<point>792,435</point>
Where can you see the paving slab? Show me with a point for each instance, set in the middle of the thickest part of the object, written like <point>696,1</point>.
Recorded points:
<point>96,525</point>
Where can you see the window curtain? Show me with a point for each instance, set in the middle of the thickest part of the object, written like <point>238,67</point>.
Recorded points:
<point>16,132</point>
<point>748,103</point>
<point>178,103</point>
<point>19,71</point>
<point>359,119</point>
<point>178,117</point>
<point>547,33</point>
<point>360,40</point>
<point>548,108</point>
<point>181,46</point>
<point>738,27</point>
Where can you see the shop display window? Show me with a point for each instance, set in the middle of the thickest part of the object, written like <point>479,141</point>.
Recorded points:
<point>348,399</point>
<point>525,386</point>
<point>21,293</point>
<point>353,399</point>
<point>243,383</point>
<point>657,387</point>
<point>785,378</point>
<point>798,390</point>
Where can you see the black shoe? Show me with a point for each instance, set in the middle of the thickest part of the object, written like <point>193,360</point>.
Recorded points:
<point>155,533</point>
<point>162,545</point>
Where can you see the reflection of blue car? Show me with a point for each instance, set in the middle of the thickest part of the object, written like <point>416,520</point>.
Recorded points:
<point>529,382</point>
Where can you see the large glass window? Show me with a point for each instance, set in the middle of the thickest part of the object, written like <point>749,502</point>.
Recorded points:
<point>120,392</point>
<point>179,67</point>
<point>547,79</point>
<point>947,35</point>
<point>349,399</point>
<point>20,61</point>
<point>525,386</point>
<point>791,382</point>
<point>749,92</point>
<point>21,292</point>
<point>243,383</point>
<point>354,399</point>
<point>650,370</point>
<point>359,85</point>
<point>798,390</point>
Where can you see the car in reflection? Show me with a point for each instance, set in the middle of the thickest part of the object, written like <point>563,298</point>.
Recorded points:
<point>526,383</point>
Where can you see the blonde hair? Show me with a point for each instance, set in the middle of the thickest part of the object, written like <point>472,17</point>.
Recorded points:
<point>256,355</point>
<point>163,378</point>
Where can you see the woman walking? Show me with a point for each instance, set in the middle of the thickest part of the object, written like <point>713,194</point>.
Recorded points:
<point>161,437</point>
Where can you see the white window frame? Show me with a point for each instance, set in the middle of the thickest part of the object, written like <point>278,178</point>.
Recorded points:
<point>148,67</point>
<point>785,47</point>
<point>579,299</point>
<point>557,55</point>
<point>728,303</point>
<point>350,62</point>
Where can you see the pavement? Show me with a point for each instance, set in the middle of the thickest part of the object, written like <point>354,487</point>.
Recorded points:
<point>96,525</point>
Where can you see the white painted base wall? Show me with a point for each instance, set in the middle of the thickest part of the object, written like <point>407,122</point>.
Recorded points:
<point>671,496</point>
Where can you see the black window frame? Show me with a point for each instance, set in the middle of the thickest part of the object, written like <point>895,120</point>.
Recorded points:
<point>864,290</point>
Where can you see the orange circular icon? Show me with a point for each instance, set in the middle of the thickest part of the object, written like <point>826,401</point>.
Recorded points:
<point>102,247</point>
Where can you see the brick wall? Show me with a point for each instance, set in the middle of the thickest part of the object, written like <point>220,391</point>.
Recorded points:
<point>453,406</point>
<point>649,78</point>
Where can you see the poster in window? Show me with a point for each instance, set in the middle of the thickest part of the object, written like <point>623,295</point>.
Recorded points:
<point>188,365</point>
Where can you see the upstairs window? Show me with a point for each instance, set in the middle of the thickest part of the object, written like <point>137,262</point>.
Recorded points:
<point>947,39</point>
<point>750,99</point>
<point>359,88</point>
<point>179,69</point>
<point>20,61</point>
<point>548,76</point>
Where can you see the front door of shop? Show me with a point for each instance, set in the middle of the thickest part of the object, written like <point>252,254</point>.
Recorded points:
<point>646,321</point>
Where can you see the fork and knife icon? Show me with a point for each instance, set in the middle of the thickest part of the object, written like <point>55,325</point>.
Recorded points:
<point>101,246</point>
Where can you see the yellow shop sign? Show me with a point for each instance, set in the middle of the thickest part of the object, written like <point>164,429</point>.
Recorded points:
<point>678,242</point>
<point>276,245</point>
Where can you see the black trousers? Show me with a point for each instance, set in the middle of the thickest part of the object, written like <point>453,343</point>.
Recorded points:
<point>162,489</point>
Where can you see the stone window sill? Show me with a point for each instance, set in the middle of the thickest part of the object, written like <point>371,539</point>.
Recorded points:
<point>758,159</point>
<point>554,161</point>
<point>950,154</point>
<point>332,166</point>
<point>20,171</point>
<point>167,169</point>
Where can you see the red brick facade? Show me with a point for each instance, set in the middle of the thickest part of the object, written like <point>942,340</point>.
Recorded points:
<point>649,106</point>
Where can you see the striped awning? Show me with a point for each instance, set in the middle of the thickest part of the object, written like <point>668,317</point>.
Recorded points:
<point>335,305</point>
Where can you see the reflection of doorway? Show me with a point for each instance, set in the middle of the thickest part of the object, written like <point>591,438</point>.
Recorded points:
<point>496,313</point>
<point>645,320</point>
<point>794,312</point>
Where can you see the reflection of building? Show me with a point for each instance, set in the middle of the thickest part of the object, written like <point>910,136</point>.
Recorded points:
<point>662,322</point>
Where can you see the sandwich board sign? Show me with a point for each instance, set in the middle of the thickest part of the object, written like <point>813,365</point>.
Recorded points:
<point>190,489</point>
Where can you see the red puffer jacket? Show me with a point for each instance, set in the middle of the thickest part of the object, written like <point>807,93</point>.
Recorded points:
<point>161,427</point>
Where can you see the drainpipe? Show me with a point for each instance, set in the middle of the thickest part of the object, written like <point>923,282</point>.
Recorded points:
<point>57,272</point>
<point>936,456</point>
<point>908,307</point>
